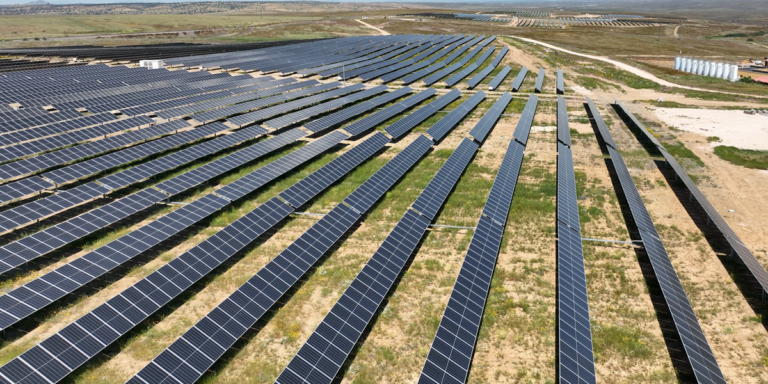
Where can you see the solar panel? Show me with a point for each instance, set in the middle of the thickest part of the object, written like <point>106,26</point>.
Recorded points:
<point>301,115</point>
<point>491,117</point>
<point>518,82</point>
<point>185,359</point>
<point>128,155</point>
<point>321,357</point>
<point>746,256</point>
<point>269,172</point>
<point>470,68</point>
<point>560,82</point>
<point>402,126</point>
<point>526,119</point>
<point>363,125</point>
<point>358,109</point>
<point>539,81</point>
<point>601,126</point>
<point>500,197</point>
<point>22,188</point>
<point>31,297</point>
<point>227,163</point>
<point>64,351</point>
<point>442,127</point>
<point>301,192</point>
<point>451,353</point>
<point>185,156</point>
<point>697,349</point>
<point>499,78</point>
<point>563,129</point>
<point>19,252</point>
<point>66,155</point>
<point>441,64</point>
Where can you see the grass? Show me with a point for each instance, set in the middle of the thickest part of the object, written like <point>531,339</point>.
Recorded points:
<point>625,341</point>
<point>680,151</point>
<point>744,157</point>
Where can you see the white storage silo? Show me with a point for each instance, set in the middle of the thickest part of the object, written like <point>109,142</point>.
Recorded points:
<point>712,69</point>
<point>695,66</point>
<point>734,73</point>
<point>688,64</point>
<point>701,67</point>
<point>726,72</point>
<point>719,71</point>
<point>707,65</point>
<point>677,62</point>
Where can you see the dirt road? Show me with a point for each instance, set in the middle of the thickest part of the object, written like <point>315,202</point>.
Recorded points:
<point>381,31</point>
<point>634,70</point>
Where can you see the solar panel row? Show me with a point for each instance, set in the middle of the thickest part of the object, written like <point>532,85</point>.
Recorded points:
<point>402,126</point>
<point>464,60</point>
<point>321,357</point>
<point>65,351</point>
<point>363,125</point>
<point>697,349</point>
<point>518,81</point>
<point>409,62</point>
<point>345,114</point>
<point>28,248</point>
<point>304,114</point>
<point>467,42</point>
<point>539,81</point>
<point>442,127</point>
<point>22,188</point>
<point>496,81</point>
<point>419,65</point>
<point>136,152</point>
<point>576,362</point>
<point>66,155</point>
<point>488,121</point>
<point>22,135</point>
<point>750,261</point>
<point>266,113</point>
<point>470,68</point>
<point>560,83</point>
<point>450,355</point>
<point>475,80</point>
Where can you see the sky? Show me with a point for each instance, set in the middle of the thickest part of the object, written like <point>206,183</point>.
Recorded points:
<point>12,2</point>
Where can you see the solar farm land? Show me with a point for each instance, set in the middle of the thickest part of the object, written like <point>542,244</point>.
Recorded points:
<point>239,192</point>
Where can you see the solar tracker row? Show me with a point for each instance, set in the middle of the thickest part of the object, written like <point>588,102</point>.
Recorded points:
<point>399,50</point>
<point>442,127</point>
<point>379,55</point>
<point>190,355</point>
<point>306,113</point>
<point>467,42</point>
<point>450,355</point>
<point>738,247</point>
<point>363,125</point>
<point>46,144</point>
<point>157,166</point>
<point>33,296</point>
<point>18,136</point>
<point>415,66</point>
<point>539,81</point>
<point>496,81</point>
<point>594,113</point>
<point>31,246</point>
<point>575,355</point>
<point>488,121</point>
<point>225,164</point>
<point>403,64</point>
<point>560,83</point>
<point>65,351</point>
<point>42,208</point>
<point>19,252</point>
<point>345,114</point>
<point>266,113</point>
<point>697,349</point>
<point>22,188</point>
<point>411,52</point>
<point>66,155</point>
<point>451,81</point>
<point>136,152</point>
<point>38,120</point>
<point>526,120</point>
<point>464,60</point>
<point>475,80</point>
<point>518,82</point>
<point>321,357</point>
<point>250,182</point>
<point>298,89</point>
<point>319,92</point>
<point>402,126</point>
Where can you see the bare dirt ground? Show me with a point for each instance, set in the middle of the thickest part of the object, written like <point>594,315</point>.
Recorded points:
<point>381,31</point>
<point>734,128</point>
